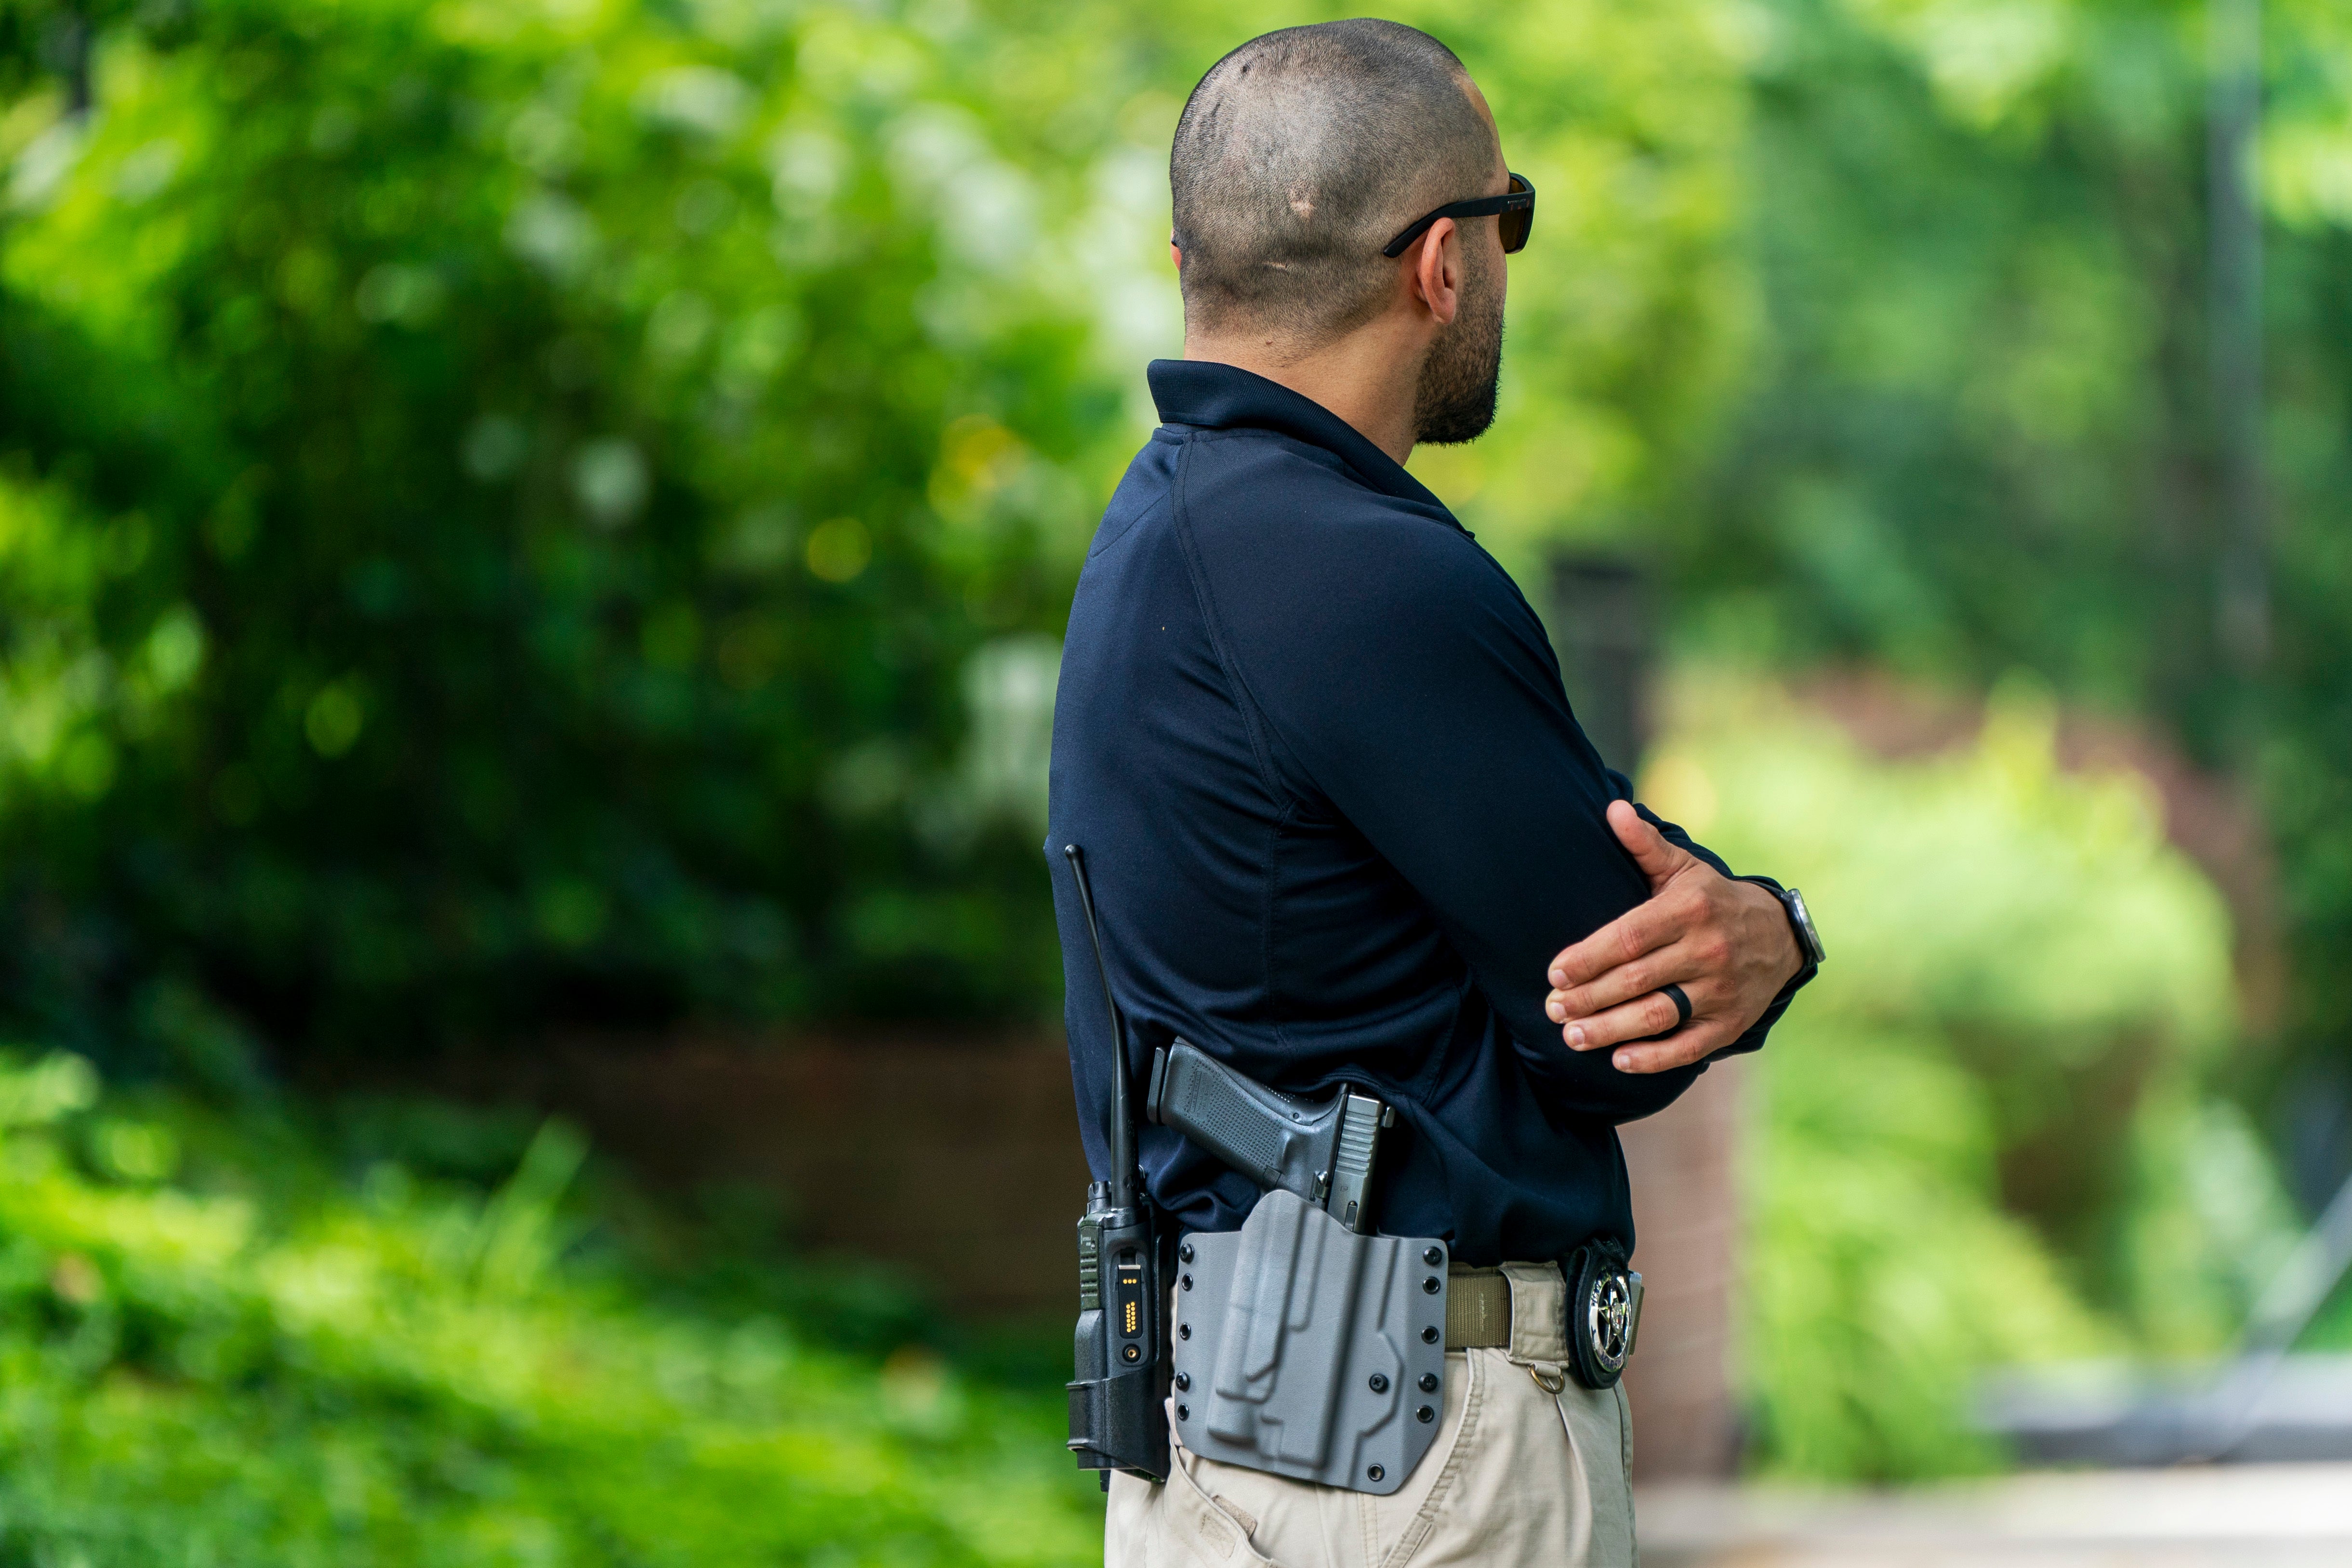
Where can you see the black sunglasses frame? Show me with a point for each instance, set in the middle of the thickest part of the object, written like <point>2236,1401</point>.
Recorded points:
<point>1519,199</point>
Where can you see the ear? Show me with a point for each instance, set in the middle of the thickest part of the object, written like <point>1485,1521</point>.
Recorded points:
<point>1176,254</point>
<point>1437,270</point>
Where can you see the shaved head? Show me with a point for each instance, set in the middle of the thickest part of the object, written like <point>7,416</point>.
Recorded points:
<point>1302,153</point>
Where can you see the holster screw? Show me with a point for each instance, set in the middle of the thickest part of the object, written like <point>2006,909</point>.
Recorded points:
<point>1183,1381</point>
<point>1183,1331</point>
<point>1426,1413</point>
<point>1187,1281</point>
<point>1184,1412</point>
<point>1429,1334</point>
<point>1379,1382</point>
<point>1186,1252</point>
<point>1433,1256</point>
<point>1429,1383</point>
<point>1376,1472</point>
<point>1432,1285</point>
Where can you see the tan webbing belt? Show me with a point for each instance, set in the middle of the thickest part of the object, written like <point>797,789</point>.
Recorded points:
<point>1477,1309</point>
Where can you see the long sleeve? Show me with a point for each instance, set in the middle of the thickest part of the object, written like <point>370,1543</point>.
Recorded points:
<point>1415,690</point>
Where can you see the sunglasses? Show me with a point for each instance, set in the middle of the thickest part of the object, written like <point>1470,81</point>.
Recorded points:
<point>1517,208</point>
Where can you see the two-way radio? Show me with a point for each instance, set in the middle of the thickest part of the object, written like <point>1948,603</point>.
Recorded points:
<point>1119,1398</point>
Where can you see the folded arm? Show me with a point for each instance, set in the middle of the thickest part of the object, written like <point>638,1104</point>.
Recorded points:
<point>1422,696</point>
<point>1724,941</point>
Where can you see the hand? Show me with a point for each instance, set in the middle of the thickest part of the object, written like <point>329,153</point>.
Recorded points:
<point>1727,943</point>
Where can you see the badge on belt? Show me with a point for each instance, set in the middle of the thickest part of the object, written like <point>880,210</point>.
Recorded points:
<point>1604,1313</point>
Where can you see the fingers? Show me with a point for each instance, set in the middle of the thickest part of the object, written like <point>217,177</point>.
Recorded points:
<point>1680,1049</point>
<point>1725,943</point>
<point>1637,1020</point>
<point>1733,956</point>
<point>1658,859</point>
<point>1634,1029</point>
<point>1681,961</point>
<point>1648,926</point>
<point>1640,930</point>
<point>1648,1013</point>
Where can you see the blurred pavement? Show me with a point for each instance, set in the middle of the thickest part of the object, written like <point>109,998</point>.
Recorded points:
<point>2249,1516</point>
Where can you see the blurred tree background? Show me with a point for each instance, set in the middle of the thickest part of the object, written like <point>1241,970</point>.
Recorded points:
<point>515,515</point>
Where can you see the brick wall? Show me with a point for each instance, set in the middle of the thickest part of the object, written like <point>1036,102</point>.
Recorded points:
<point>958,1160</point>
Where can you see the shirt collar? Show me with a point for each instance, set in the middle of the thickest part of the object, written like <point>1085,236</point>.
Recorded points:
<point>1224,397</point>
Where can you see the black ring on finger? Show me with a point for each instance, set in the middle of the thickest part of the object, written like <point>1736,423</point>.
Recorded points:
<point>1673,994</point>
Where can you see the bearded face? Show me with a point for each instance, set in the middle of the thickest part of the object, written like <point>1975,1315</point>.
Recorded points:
<point>1455,401</point>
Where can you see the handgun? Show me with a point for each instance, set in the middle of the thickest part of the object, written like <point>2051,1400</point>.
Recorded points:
<point>1324,1153</point>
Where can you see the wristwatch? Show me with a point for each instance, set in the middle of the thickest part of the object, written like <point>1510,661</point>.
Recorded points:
<point>1801,921</point>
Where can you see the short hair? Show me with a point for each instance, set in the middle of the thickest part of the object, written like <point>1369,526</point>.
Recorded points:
<point>1300,155</point>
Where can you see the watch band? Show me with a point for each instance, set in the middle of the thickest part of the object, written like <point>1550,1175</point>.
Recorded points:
<point>1800,919</point>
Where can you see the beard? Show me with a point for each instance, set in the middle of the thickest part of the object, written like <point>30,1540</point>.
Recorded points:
<point>1454,399</point>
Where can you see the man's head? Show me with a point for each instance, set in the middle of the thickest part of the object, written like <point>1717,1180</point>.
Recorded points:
<point>1299,156</point>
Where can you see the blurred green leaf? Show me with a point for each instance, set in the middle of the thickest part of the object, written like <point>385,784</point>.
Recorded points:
<point>252,1361</point>
<point>1989,1131</point>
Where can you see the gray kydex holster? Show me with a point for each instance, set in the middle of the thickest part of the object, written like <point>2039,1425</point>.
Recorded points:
<point>1306,1350</point>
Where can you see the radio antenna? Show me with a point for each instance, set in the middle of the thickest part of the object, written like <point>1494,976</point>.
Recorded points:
<point>1122,1120</point>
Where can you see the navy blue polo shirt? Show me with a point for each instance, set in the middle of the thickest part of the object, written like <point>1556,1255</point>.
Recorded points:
<point>1338,818</point>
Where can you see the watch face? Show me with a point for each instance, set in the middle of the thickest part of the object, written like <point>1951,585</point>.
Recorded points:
<point>1803,919</point>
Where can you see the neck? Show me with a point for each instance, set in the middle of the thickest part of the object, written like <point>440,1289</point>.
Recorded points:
<point>1366,377</point>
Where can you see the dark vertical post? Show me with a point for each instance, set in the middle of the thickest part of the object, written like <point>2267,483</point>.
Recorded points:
<point>2241,605</point>
<point>1604,626</point>
<point>1603,629</point>
<point>67,45</point>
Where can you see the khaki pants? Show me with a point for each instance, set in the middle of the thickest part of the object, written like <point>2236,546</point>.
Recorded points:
<point>1519,1477</point>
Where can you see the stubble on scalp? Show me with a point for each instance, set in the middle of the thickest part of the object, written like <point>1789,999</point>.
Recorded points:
<point>1302,153</point>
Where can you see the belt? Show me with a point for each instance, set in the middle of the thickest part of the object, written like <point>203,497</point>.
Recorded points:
<point>1477,1304</point>
<point>1523,1310</point>
<point>1477,1309</point>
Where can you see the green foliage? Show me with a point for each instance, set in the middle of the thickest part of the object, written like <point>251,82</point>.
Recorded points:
<point>519,513</point>
<point>1884,1275</point>
<point>1628,317</point>
<point>1978,430</point>
<point>1984,1134</point>
<point>218,1349</point>
<point>533,449</point>
<point>2332,1329</point>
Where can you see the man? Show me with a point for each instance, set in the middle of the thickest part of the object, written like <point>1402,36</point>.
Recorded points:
<point>1339,821</point>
